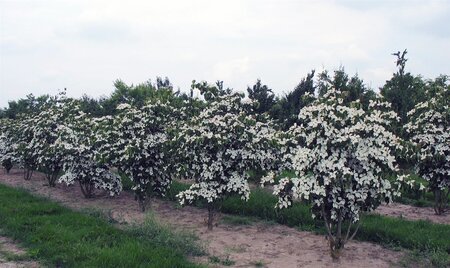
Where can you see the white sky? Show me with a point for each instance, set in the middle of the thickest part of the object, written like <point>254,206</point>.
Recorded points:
<point>85,45</point>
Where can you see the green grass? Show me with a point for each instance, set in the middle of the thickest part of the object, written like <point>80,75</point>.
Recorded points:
<point>157,232</point>
<point>420,235</point>
<point>58,236</point>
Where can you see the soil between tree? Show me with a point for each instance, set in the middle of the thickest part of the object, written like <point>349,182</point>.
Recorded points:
<point>258,244</point>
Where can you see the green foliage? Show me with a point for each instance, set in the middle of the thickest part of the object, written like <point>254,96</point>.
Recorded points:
<point>262,96</point>
<point>353,88</point>
<point>59,237</point>
<point>403,90</point>
<point>286,108</point>
<point>28,105</point>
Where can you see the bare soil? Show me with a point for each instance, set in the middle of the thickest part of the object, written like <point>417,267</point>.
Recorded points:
<point>256,245</point>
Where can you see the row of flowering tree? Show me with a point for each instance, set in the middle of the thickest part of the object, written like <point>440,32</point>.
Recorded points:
<point>57,140</point>
<point>341,151</point>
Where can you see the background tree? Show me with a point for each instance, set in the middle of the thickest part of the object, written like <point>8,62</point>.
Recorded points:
<point>352,88</point>
<point>403,90</point>
<point>262,97</point>
<point>25,106</point>
<point>285,111</point>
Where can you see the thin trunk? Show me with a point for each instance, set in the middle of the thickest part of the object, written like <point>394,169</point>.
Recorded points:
<point>27,174</point>
<point>87,189</point>
<point>438,202</point>
<point>210,216</point>
<point>51,178</point>
<point>143,199</point>
<point>356,230</point>
<point>327,225</point>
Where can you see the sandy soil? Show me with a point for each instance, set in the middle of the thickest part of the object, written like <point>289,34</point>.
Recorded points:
<point>246,245</point>
<point>8,247</point>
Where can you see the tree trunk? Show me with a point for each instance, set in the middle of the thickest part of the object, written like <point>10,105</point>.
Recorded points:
<point>210,216</point>
<point>336,248</point>
<point>143,200</point>
<point>87,189</point>
<point>27,173</point>
<point>440,201</point>
<point>51,178</point>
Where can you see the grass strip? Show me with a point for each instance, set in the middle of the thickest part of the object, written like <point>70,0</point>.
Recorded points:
<point>60,237</point>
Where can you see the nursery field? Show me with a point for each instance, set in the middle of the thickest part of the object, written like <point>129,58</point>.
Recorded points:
<point>332,174</point>
<point>249,240</point>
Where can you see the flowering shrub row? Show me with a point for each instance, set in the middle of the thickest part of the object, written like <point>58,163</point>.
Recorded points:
<point>341,151</point>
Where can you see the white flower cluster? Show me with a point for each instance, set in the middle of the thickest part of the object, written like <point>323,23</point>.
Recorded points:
<point>429,127</point>
<point>77,142</point>
<point>341,155</point>
<point>8,156</point>
<point>219,146</point>
<point>136,142</point>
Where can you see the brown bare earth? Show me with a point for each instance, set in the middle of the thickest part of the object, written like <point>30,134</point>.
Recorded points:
<point>256,245</point>
<point>11,255</point>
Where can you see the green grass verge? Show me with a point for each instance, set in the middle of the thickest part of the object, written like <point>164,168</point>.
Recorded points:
<point>58,236</point>
<point>421,235</point>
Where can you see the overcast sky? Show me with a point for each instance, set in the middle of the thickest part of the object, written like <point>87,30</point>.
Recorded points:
<point>85,45</point>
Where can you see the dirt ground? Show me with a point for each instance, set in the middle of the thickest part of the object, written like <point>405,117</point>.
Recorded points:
<point>11,254</point>
<point>256,245</point>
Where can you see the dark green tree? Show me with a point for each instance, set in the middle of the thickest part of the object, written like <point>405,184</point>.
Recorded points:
<point>403,90</point>
<point>286,108</point>
<point>262,96</point>
<point>353,88</point>
<point>28,105</point>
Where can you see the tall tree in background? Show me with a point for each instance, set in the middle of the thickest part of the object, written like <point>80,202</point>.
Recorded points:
<point>285,111</point>
<point>262,96</point>
<point>403,90</point>
<point>28,105</point>
<point>352,88</point>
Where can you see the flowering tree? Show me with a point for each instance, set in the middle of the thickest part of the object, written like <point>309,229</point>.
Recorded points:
<point>136,141</point>
<point>339,163</point>
<point>219,146</point>
<point>77,142</point>
<point>7,148</point>
<point>429,130</point>
<point>45,127</point>
<point>20,134</point>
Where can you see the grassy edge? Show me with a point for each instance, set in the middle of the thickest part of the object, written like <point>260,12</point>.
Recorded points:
<point>58,236</point>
